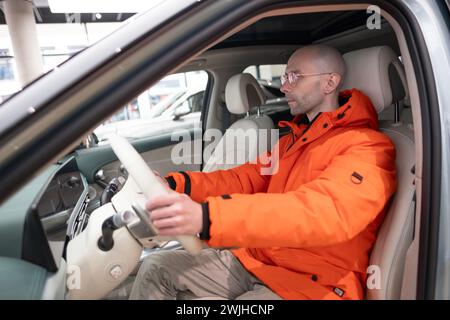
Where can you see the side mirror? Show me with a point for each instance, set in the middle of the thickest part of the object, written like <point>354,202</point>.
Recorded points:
<point>91,140</point>
<point>181,111</point>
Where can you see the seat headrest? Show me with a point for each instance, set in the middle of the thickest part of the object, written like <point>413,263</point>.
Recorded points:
<point>379,73</point>
<point>243,93</point>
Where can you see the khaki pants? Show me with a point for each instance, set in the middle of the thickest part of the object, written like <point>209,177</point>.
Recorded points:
<point>211,274</point>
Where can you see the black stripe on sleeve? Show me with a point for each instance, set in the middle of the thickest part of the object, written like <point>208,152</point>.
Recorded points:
<point>204,235</point>
<point>187,183</point>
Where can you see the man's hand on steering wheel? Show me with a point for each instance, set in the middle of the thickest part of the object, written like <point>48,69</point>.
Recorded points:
<point>175,214</point>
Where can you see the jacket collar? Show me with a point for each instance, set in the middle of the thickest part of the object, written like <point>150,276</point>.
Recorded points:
<point>356,110</point>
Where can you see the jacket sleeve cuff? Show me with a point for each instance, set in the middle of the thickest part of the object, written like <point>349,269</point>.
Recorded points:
<point>205,235</point>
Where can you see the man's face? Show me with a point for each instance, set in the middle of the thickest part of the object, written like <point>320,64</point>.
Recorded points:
<point>306,94</point>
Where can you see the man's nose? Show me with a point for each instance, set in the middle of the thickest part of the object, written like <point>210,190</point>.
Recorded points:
<point>285,88</point>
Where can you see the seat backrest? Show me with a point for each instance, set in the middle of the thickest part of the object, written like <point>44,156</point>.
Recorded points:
<point>378,72</point>
<point>242,141</point>
<point>396,233</point>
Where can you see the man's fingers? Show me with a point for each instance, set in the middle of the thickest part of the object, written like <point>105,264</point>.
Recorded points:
<point>161,213</point>
<point>162,201</point>
<point>172,222</point>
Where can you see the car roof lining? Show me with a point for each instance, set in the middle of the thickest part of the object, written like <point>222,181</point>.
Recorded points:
<point>228,53</point>
<point>295,28</point>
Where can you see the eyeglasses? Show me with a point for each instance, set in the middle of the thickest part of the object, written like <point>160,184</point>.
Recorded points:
<point>293,77</point>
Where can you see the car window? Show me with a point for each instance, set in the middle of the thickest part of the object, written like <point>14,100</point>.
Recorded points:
<point>175,102</point>
<point>190,103</point>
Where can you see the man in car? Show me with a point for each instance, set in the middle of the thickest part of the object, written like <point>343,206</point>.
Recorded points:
<point>306,231</point>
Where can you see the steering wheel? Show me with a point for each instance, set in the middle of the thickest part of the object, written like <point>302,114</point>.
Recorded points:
<point>146,180</point>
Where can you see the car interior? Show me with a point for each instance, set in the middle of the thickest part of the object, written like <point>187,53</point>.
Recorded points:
<point>373,66</point>
<point>378,64</point>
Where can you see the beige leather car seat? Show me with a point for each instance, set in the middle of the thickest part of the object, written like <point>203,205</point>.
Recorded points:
<point>378,72</point>
<point>241,94</point>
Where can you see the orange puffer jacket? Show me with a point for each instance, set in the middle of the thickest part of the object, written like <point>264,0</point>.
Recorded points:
<point>306,231</point>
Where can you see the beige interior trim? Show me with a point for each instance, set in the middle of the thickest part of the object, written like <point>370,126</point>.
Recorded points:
<point>409,286</point>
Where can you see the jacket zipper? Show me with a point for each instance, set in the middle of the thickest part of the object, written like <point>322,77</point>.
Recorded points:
<point>292,140</point>
<point>304,131</point>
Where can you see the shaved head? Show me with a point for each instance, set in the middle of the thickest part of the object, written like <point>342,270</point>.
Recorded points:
<point>322,58</point>
<point>318,73</point>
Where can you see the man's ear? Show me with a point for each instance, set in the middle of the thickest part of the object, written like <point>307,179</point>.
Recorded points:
<point>332,83</point>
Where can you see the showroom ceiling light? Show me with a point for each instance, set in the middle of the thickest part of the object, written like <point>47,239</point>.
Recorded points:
<point>100,6</point>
